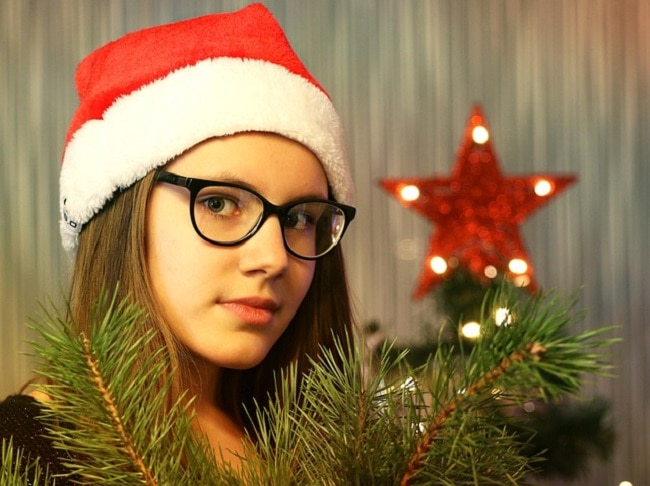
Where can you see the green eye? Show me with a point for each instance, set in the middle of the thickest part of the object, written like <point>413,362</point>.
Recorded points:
<point>215,204</point>
<point>299,220</point>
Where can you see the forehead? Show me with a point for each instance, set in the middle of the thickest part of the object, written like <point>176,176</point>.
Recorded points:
<point>275,166</point>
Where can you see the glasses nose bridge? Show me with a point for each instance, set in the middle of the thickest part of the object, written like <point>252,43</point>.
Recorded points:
<point>269,209</point>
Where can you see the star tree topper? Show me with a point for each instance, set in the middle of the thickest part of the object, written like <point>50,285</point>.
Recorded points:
<point>477,212</point>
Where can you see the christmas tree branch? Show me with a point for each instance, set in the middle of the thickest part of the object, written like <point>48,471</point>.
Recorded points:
<point>109,404</point>
<point>544,358</point>
<point>114,414</point>
<point>532,351</point>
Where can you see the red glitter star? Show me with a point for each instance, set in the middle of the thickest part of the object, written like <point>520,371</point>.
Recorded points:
<point>477,212</point>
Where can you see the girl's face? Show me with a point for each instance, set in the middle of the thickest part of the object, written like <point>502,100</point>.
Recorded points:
<point>229,305</point>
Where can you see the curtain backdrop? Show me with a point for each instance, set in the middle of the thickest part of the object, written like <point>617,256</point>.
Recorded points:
<point>565,88</point>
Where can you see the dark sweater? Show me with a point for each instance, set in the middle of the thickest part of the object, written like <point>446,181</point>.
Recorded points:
<point>20,420</point>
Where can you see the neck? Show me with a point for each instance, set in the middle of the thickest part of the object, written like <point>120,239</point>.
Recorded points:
<point>205,383</point>
<point>224,432</point>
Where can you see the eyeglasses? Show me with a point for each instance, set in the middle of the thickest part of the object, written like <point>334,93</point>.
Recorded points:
<point>227,214</point>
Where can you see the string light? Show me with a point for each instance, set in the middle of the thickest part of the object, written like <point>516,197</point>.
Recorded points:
<point>521,280</point>
<point>407,249</point>
<point>409,193</point>
<point>503,316</point>
<point>490,271</point>
<point>543,187</point>
<point>438,265</point>
<point>518,266</point>
<point>471,330</point>
<point>480,134</point>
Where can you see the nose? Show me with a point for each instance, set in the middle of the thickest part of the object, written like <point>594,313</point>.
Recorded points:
<point>265,251</point>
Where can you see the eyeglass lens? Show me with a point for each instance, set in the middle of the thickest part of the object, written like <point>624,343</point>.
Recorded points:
<point>226,215</point>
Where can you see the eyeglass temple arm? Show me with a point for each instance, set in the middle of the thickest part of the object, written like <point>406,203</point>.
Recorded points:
<point>162,176</point>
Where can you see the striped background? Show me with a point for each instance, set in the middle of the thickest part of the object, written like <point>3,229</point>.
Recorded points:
<point>565,85</point>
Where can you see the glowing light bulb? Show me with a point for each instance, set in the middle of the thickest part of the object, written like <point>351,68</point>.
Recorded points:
<point>407,249</point>
<point>518,266</point>
<point>543,188</point>
<point>409,193</point>
<point>522,280</point>
<point>529,407</point>
<point>490,271</point>
<point>502,316</point>
<point>480,134</point>
<point>625,483</point>
<point>438,265</point>
<point>471,330</point>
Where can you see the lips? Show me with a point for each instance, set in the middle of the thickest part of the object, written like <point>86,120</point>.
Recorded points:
<point>252,310</point>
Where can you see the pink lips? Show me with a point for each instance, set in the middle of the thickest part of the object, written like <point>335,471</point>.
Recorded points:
<point>252,310</point>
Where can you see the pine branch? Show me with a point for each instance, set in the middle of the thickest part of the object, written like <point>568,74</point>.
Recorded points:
<point>543,360</point>
<point>108,404</point>
<point>114,414</point>
<point>533,350</point>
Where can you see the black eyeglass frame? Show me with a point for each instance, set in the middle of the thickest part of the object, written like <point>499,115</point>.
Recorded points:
<point>194,185</point>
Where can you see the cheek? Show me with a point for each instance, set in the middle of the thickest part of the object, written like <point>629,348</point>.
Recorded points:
<point>161,266</point>
<point>162,262</point>
<point>302,282</point>
<point>166,253</point>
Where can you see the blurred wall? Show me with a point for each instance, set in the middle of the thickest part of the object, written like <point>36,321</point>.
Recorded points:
<point>565,88</point>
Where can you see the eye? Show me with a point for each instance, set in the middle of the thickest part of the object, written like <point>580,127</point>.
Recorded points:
<point>220,204</point>
<point>298,220</point>
<point>303,217</point>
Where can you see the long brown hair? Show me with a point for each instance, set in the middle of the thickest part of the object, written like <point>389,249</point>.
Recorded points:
<point>112,251</point>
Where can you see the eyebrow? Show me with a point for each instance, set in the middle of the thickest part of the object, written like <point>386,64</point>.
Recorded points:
<point>230,178</point>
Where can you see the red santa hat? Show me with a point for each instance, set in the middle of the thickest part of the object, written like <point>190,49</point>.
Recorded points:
<point>152,94</point>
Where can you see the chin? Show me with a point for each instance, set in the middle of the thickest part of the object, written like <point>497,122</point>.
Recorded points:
<point>240,353</point>
<point>241,361</point>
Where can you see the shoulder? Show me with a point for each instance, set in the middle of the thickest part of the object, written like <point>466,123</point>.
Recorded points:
<point>21,422</point>
<point>19,416</point>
